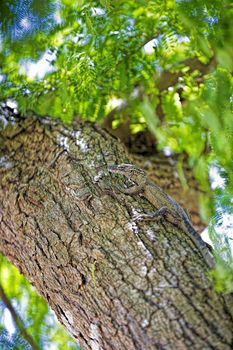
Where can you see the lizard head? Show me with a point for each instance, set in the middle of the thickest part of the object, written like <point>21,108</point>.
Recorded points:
<point>129,170</point>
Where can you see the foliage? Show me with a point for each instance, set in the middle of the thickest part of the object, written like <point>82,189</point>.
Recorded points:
<point>169,64</point>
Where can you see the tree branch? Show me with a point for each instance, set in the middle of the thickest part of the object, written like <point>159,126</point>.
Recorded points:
<point>18,320</point>
<point>166,80</point>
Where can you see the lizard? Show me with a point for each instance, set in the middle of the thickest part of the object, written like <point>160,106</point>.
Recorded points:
<point>164,204</point>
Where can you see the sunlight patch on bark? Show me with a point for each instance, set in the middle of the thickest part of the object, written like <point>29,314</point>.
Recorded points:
<point>94,335</point>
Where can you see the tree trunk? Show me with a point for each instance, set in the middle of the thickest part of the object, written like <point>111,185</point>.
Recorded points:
<point>114,283</point>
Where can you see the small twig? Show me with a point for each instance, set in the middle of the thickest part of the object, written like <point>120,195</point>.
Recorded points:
<point>18,320</point>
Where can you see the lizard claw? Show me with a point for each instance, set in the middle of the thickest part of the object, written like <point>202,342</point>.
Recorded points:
<point>157,215</point>
<point>138,217</point>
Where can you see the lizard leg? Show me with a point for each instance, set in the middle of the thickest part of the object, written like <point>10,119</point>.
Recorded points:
<point>163,212</point>
<point>178,221</point>
<point>156,215</point>
<point>135,189</point>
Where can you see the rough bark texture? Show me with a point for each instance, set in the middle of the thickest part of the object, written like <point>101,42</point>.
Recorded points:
<point>114,283</point>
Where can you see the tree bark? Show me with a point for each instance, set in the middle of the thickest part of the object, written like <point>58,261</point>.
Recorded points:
<point>114,283</point>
